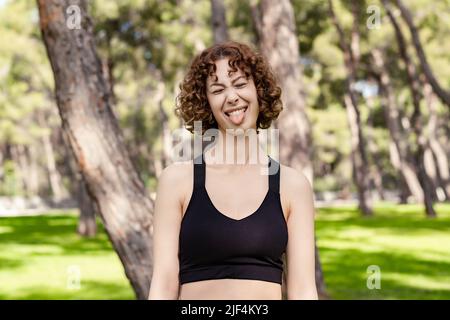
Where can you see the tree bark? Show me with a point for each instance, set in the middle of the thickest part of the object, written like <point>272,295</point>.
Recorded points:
<point>219,21</point>
<point>443,94</point>
<point>58,191</point>
<point>416,120</point>
<point>280,45</point>
<point>440,158</point>
<point>376,169</point>
<point>18,157</point>
<point>53,174</point>
<point>257,20</point>
<point>24,157</point>
<point>400,153</point>
<point>87,225</point>
<point>83,101</point>
<point>165,129</point>
<point>359,153</point>
<point>278,42</point>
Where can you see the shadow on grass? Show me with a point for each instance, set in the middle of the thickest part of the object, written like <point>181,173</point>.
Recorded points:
<point>404,273</point>
<point>397,218</point>
<point>55,230</point>
<point>89,290</point>
<point>346,275</point>
<point>28,237</point>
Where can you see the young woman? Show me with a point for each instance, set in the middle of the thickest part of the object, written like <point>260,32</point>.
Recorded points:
<point>221,227</point>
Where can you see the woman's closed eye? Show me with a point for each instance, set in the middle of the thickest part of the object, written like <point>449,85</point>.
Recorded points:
<point>239,85</point>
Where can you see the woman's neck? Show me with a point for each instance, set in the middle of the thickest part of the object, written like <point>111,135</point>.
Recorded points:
<point>236,149</point>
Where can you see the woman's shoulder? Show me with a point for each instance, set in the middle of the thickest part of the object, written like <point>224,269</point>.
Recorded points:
<point>292,180</point>
<point>175,181</point>
<point>177,171</point>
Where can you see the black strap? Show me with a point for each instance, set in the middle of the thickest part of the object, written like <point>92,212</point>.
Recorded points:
<point>199,171</point>
<point>273,172</point>
<point>274,175</point>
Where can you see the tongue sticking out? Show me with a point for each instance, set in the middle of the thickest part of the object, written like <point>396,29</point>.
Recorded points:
<point>237,118</point>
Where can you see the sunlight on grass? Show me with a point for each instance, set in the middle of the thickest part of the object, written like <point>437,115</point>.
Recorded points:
<point>41,255</point>
<point>412,252</point>
<point>419,281</point>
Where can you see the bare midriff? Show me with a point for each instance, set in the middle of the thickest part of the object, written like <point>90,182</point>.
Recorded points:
<point>230,289</point>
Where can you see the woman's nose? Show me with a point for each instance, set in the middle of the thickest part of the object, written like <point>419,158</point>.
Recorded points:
<point>233,99</point>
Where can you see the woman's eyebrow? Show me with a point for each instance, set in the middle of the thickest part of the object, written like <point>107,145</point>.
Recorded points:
<point>232,81</point>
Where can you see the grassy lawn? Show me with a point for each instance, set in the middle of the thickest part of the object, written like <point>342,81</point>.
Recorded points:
<point>412,252</point>
<point>41,256</point>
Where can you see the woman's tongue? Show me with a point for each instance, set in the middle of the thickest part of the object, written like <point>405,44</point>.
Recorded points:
<point>237,118</point>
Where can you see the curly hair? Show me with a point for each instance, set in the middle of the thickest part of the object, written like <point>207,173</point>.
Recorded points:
<point>192,103</point>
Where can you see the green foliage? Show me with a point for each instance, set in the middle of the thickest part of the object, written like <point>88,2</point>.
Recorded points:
<point>329,130</point>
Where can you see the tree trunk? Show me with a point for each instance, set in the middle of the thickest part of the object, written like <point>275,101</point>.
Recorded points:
<point>165,130</point>
<point>28,168</point>
<point>280,45</point>
<point>33,169</point>
<point>53,174</point>
<point>439,156</point>
<point>404,192</point>
<point>359,153</point>
<point>83,100</point>
<point>376,171</point>
<point>108,70</point>
<point>20,161</point>
<point>54,177</point>
<point>400,153</point>
<point>421,139</point>
<point>440,92</point>
<point>219,21</point>
<point>257,20</point>
<point>87,225</point>
<point>278,42</point>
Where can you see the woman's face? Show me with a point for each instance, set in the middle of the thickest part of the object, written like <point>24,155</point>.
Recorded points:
<point>233,98</point>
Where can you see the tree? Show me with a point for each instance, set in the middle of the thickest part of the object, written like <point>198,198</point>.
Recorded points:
<point>274,22</point>
<point>219,22</point>
<point>95,138</point>
<point>87,224</point>
<point>421,139</point>
<point>359,154</point>
<point>399,151</point>
<point>440,92</point>
<point>439,156</point>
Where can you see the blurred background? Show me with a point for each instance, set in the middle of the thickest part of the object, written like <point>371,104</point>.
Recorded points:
<point>366,93</point>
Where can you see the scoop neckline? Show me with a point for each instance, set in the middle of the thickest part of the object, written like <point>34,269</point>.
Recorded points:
<point>233,219</point>
<point>227,216</point>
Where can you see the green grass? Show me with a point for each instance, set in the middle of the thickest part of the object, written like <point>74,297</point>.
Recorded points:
<point>411,251</point>
<point>40,255</point>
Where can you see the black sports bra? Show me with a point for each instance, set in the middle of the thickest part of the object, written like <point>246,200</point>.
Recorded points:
<point>215,246</point>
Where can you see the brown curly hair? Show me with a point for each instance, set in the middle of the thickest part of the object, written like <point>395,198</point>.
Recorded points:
<point>192,103</point>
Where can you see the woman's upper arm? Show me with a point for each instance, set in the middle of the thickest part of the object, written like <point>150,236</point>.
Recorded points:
<point>300,253</point>
<point>166,228</point>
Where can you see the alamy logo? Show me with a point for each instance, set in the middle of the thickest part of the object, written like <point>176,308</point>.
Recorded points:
<point>374,20</point>
<point>374,278</point>
<point>73,17</point>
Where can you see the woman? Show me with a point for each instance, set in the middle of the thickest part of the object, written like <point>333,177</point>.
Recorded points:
<point>221,227</point>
